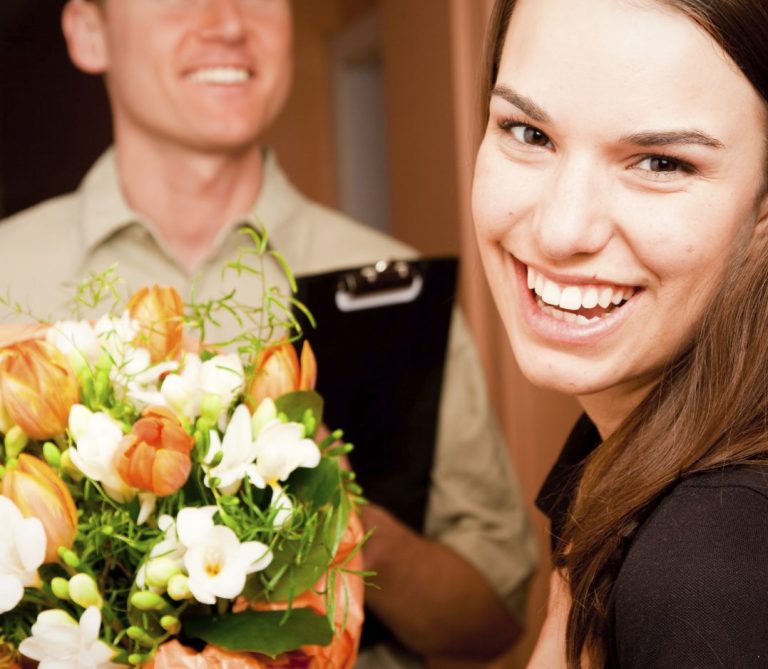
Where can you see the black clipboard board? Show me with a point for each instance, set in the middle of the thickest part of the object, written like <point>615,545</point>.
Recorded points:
<point>380,343</point>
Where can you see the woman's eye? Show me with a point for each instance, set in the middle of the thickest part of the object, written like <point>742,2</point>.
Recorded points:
<point>526,134</point>
<point>664,166</point>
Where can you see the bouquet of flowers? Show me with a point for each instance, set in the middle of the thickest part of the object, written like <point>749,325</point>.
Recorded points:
<point>167,502</point>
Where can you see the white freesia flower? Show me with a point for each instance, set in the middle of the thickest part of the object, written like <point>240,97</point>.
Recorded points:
<point>221,377</point>
<point>77,340</point>
<point>58,641</point>
<point>22,551</point>
<point>133,374</point>
<point>218,563</point>
<point>116,333</point>
<point>281,448</point>
<point>169,546</point>
<point>238,454</point>
<point>97,437</point>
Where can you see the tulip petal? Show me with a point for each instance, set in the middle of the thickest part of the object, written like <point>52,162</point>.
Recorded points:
<point>308,377</point>
<point>169,471</point>
<point>11,592</point>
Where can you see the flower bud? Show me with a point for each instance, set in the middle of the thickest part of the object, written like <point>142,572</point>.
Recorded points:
<point>159,311</point>
<point>69,467</point>
<point>178,587</point>
<point>139,635</point>
<point>210,407</point>
<point>84,591</point>
<point>38,492</point>
<point>15,442</point>
<point>155,456</point>
<point>37,388</point>
<point>69,557</point>
<point>265,412</point>
<point>278,372</point>
<point>60,587</point>
<point>160,570</point>
<point>137,659</point>
<point>146,600</point>
<point>170,624</point>
<point>52,454</point>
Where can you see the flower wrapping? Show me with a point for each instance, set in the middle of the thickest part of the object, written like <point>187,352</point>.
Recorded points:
<point>168,500</point>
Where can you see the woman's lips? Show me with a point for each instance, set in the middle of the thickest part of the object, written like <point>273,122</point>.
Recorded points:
<point>578,313</point>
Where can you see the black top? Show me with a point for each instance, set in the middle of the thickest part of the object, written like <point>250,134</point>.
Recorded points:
<point>693,589</point>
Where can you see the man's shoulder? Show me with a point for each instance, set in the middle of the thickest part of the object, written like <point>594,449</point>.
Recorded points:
<point>343,240</point>
<point>51,218</point>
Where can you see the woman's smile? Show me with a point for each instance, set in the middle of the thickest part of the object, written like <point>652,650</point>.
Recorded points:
<point>615,184</point>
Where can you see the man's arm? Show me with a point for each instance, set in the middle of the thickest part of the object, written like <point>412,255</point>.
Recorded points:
<point>434,601</point>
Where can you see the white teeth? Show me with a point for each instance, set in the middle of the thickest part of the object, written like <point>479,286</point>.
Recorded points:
<point>551,294</point>
<point>219,75</point>
<point>604,299</point>
<point>573,297</point>
<point>589,301</point>
<point>570,298</point>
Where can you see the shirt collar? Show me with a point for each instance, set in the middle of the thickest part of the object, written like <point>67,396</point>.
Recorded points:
<point>105,210</point>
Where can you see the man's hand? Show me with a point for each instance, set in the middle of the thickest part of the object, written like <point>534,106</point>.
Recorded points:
<point>434,601</point>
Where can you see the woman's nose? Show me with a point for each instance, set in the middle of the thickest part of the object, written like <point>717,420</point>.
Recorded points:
<point>572,215</point>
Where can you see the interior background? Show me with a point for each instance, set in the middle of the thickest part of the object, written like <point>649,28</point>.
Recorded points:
<point>383,123</point>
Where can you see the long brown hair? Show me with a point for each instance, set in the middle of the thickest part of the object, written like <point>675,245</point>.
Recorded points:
<point>710,407</point>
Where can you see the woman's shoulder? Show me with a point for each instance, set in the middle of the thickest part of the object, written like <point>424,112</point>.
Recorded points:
<point>693,588</point>
<point>752,478</point>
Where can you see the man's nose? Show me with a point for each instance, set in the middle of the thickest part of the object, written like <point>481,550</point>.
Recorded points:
<point>223,19</point>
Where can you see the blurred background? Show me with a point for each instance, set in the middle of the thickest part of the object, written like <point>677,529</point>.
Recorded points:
<point>383,123</point>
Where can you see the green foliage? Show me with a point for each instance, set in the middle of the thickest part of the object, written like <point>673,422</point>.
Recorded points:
<point>266,632</point>
<point>112,547</point>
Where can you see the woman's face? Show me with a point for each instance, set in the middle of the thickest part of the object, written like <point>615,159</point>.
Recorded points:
<point>620,172</point>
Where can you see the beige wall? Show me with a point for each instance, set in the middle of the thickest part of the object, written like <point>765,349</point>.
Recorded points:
<point>431,56</point>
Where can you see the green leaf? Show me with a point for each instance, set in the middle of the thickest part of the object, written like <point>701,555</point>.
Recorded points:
<point>266,632</point>
<point>295,404</point>
<point>296,566</point>
<point>319,485</point>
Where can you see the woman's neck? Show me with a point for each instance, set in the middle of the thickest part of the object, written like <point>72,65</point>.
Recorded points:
<point>188,196</point>
<point>608,408</point>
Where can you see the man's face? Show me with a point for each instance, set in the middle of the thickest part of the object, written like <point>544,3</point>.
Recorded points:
<point>208,75</point>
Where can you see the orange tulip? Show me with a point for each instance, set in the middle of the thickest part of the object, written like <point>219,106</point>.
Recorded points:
<point>37,388</point>
<point>38,492</point>
<point>278,372</point>
<point>155,456</point>
<point>159,311</point>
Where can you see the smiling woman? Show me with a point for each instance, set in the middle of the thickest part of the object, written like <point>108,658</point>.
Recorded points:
<point>620,208</point>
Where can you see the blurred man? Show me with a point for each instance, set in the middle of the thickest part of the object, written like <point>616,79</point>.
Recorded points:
<point>193,84</point>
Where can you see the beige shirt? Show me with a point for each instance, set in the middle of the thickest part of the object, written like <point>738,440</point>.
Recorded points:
<point>474,504</point>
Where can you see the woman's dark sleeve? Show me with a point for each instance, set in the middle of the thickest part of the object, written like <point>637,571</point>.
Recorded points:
<point>693,590</point>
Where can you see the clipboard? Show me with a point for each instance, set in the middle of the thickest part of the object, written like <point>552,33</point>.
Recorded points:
<point>380,343</point>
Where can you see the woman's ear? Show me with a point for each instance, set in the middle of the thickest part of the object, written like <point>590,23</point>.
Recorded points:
<point>759,240</point>
<point>83,25</point>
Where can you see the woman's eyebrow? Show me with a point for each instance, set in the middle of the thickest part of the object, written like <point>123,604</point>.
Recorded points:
<point>523,103</point>
<point>666,138</point>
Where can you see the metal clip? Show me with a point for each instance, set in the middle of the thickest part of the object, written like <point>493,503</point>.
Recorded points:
<point>378,285</point>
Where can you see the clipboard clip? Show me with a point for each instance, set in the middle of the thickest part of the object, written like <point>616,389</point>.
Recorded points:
<point>382,284</point>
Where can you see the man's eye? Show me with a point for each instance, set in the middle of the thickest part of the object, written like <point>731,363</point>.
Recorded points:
<point>526,134</point>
